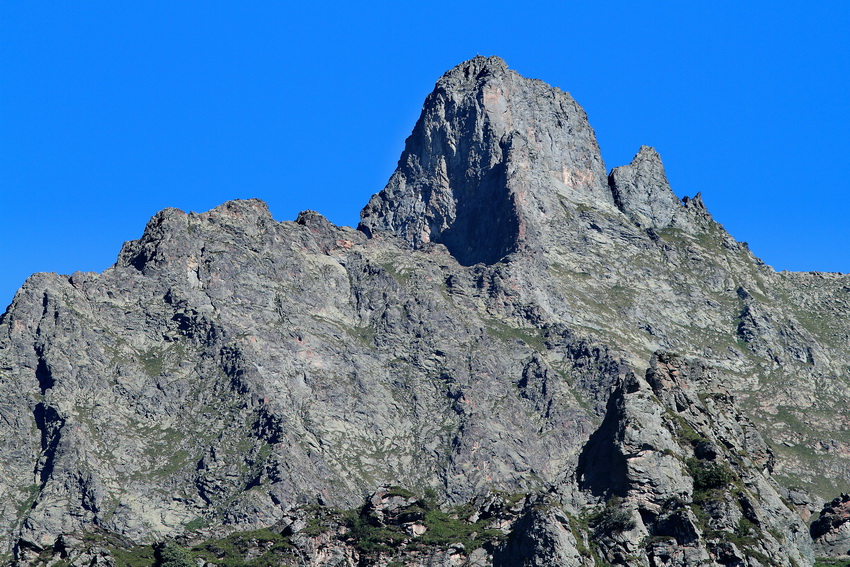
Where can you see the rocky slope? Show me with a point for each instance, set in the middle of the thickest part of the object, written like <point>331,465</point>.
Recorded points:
<point>517,359</point>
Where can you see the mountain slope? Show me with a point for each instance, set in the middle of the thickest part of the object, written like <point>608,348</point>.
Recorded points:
<point>577,364</point>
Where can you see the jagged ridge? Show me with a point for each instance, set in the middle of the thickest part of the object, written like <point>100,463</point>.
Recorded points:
<point>494,332</point>
<point>493,150</point>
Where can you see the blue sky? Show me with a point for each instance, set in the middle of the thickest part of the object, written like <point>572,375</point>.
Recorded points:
<point>111,111</point>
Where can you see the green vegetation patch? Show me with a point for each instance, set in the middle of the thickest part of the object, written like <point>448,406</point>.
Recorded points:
<point>443,528</point>
<point>152,361</point>
<point>372,538</point>
<point>138,556</point>
<point>708,475</point>
<point>399,491</point>
<point>531,337</point>
<point>611,519</point>
<point>256,548</point>
<point>686,434</point>
<point>32,492</point>
<point>196,524</point>
<point>829,562</point>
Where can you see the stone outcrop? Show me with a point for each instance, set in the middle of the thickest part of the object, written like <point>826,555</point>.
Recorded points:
<point>642,192</point>
<point>491,157</point>
<point>516,360</point>
<point>686,476</point>
<point>831,530</point>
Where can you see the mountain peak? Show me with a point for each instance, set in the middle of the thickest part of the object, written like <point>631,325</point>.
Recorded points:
<point>316,396</point>
<point>491,159</point>
<point>477,65</point>
<point>642,192</point>
<point>475,69</point>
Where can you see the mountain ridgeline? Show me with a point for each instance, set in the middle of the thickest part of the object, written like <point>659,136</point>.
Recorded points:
<point>518,358</point>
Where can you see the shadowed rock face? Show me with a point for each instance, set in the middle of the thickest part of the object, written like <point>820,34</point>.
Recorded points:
<point>574,365</point>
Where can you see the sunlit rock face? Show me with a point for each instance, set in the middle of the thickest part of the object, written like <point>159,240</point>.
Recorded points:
<point>487,166</point>
<point>516,359</point>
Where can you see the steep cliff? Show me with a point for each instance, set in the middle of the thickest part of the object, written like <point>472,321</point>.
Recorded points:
<point>517,359</point>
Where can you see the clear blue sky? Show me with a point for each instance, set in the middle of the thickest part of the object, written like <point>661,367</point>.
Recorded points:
<point>110,111</point>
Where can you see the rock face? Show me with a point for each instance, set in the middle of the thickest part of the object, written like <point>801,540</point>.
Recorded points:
<point>688,473</point>
<point>642,192</point>
<point>516,360</point>
<point>831,531</point>
<point>491,156</point>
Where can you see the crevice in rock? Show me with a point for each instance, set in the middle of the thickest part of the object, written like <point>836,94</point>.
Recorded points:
<point>49,423</point>
<point>616,193</point>
<point>138,261</point>
<point>44,376</point>
<point>602,469</point>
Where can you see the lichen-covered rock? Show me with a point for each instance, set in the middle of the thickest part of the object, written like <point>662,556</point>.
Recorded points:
<point>489,162</point>
<point>685,476</point>
<point>831,531</point>
<point>502,324</point>
<point>642,192</point>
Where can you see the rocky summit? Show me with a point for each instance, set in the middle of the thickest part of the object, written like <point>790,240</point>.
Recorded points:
<point>518,358</point>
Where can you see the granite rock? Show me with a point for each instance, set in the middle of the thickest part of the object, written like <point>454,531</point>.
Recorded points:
<point>581,361</point>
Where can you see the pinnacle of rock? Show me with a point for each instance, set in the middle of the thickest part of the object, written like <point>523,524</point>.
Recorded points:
<point>642,192</point>
<point>492,160</point>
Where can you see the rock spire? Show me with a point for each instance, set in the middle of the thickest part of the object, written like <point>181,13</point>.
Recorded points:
<point>490,161</point>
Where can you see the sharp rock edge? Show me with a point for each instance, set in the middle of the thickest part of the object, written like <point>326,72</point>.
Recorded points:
<point>518,358</point>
